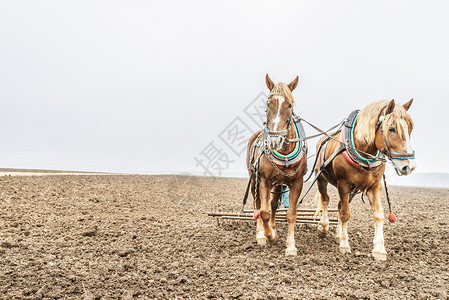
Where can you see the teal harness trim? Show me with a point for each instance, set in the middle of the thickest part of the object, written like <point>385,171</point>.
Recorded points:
<point>353,146</point>
<point>291,159</point>
<point>257,142</point>
<point>292,154</point>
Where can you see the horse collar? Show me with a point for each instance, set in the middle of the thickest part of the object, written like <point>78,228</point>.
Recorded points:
<point>350,153</point>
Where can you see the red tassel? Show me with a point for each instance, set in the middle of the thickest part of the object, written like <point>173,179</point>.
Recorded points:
<point>391,217</point>
<point>256,214</point>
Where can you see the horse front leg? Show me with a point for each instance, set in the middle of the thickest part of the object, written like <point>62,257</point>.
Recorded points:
<point>264,192</point>
<point>260,235</point>
<point>374,196</point>
<point>295,191</point>
<point>274,206</point>
<point>344,214</point>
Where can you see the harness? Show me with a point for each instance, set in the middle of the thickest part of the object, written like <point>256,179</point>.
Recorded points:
<point>293,158</point>
<point>351,154</point>
<point>278,160</point>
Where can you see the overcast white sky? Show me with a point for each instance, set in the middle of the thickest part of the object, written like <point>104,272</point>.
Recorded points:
<point>145,86</point>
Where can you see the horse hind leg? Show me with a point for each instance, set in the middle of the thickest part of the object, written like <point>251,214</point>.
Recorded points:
<point>295,191</point>
<point>339,229</point>
<point>322,199</point>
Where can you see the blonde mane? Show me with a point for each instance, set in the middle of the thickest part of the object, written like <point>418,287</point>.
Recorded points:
<point>282,89</point>
<point>365,130</point>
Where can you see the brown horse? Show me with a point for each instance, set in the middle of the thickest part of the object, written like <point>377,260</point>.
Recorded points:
<point>381,129</point>
<point>272,161</point>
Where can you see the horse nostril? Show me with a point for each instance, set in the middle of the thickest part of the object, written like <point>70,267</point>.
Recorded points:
<point>406,170</point>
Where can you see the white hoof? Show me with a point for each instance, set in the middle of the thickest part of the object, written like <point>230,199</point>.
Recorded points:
<point>380,256</point>
<point>291,251</point>
<point>274,239</point>
<point>322,230</point>
<point>345,250</point>
<point>261,241</point>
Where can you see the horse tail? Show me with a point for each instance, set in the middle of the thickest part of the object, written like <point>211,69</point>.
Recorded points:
<point>319,202</point>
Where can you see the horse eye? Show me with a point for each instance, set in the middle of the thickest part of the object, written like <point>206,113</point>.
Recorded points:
<point>392,130</point>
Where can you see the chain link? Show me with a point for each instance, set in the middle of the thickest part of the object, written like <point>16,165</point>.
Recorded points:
<point>256,174</point>
<point>256,188</point>
<point>286,174</point>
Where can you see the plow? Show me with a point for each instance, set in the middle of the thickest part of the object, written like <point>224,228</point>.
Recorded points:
<point>304,216</point>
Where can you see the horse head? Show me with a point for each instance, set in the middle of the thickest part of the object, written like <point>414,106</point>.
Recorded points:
<point>393,131</point>
<point>279,111</point>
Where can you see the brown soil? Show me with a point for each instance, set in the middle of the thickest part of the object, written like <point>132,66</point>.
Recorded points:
<point>114,237</point>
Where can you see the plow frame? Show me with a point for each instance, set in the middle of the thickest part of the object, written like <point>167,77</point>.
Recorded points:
<point>304,216</point>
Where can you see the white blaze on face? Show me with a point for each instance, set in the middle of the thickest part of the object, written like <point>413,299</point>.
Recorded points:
<point>407,145</point>
<point>277,119</point>
<point>400,164</point>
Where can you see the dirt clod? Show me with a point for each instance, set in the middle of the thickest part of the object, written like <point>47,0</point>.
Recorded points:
<point>124,252</point>
<point>90,232</point>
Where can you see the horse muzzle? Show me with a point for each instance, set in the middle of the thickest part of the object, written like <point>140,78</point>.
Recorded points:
<point>275,138</point>
<point>404,167</point>
<point>276,142</point>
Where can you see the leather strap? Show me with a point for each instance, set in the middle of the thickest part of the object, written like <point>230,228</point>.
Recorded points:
<point>351,152</point>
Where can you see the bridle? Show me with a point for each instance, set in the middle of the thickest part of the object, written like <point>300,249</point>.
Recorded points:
<point>386,150</point>
<point>278,133</point>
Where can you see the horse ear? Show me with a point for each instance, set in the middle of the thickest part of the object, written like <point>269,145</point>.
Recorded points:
<point>270,84</point>
<point>390,107</point>
<point>292,85</point>
<point>408,104</point>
